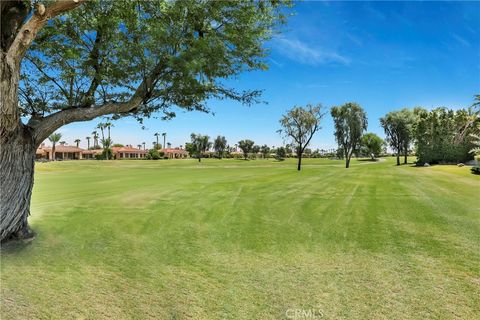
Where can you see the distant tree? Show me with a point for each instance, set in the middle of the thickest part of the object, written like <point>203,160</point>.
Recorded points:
<point>139,146</point>
<point>399,126</point>
<point>117,145</point>
<point>246,146</point>
<point>256,150</point>
<point>54,138</point>
<point>88,142</point>
<point>62,143</point>
<point>157,145</point>
<point>265,150</point>
<point>164,135</point>
<point>143,143</point>
<point>219,145</point>
<point>280,153</point>
<point>169,145</point>
<point>95,139</point>
<point>107,151</point>
<point>371,144</point>
<point>299,125</point>
<point>350,120</point>
<point>437,135</point>
<point>152,154</point>
<point>77,142</point>
<point>199,145</point>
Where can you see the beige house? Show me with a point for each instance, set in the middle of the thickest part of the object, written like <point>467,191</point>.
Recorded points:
<point>61,153</point>
<point>128,152</point>
<point>90,154</point>
<point>175,153</point>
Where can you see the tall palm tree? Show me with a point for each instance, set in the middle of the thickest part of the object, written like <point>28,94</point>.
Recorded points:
<point>169,145</point>
<point>54,138</point>
<point>62,143</point>
<point>108,125</point>
<point>143,145</point>
<point>88,142</point>
<point>77,141</point>
<point>156,135</point>
<point>164,135</point>
<point>101,126</point>
<point>95,138</point>
<point>139,146</point>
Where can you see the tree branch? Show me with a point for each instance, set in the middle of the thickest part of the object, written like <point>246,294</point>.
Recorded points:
<point>29,30</point>
<point>45,126</point>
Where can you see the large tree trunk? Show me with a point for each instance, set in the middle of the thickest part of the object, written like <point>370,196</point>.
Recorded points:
<point>17,156</point>
<point>299,166</point>
<point>398,158</point>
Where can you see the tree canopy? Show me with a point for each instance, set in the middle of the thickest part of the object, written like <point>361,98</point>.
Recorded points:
<point>350,120</point>
<point>299,125</point>
<point>246,146</point>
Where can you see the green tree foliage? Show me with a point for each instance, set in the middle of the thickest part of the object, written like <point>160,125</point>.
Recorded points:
<point>199,144</point>
<point>152,154</point>
<point>280,153</point>
<point>436,136</point>
<point>299,125</point>
<point>265,150</point>
<point>399,128</point>
<point>220,145</point>
<point>246,146</point>
<point>350,120</point>
<point>371,145</point>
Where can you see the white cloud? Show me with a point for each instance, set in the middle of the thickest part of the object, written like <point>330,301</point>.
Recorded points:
<point>301,52</point>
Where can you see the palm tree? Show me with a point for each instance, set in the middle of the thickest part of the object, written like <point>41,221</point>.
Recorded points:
<point>54,138</point>
<point>62,143</point>
<point>77,141</point>
<point>139,146</point>
<point>101,126</point>
<point>143,145</point>
<point>476,143</point>
<point>88,142</point>
<point>169,145</point>
<point>164,135</point>
<point>108,125</point>
<point>95,139</point>
<point>156,135</point>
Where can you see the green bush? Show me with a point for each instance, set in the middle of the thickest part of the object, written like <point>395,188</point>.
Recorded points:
<point>475,170</point>
<point>153,154</point>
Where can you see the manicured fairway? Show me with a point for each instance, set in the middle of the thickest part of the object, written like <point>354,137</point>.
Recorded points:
<point>232,239</point>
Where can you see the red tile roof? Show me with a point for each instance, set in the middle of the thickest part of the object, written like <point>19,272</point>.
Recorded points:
<point>127,149</point>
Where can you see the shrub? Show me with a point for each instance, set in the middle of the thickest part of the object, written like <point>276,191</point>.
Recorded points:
<point>153,154</point>
<point>475,170</point>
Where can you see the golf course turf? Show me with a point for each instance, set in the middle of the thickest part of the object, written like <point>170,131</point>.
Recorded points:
<point>234,239</point>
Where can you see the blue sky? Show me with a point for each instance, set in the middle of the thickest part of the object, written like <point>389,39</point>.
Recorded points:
<point>382,55</point>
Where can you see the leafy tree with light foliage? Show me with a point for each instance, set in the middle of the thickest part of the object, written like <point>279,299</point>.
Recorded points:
<point>246,146</point>
<point>199,145</point>
<point>265,150</point>
<point>219,145</point>
<point>350,120</point>
<point>299,125</point>
<point>75,60</point>
<point>371,144</point>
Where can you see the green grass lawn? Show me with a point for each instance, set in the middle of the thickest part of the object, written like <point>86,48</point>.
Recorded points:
<point>233,239</point>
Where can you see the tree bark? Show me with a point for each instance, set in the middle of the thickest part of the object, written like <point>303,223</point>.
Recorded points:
<point>398,158</point>
<point>405,160</point>
<point>17,156</point>
<point>299,166</point>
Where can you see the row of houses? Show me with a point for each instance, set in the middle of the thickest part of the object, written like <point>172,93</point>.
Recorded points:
<point>126,152</point>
